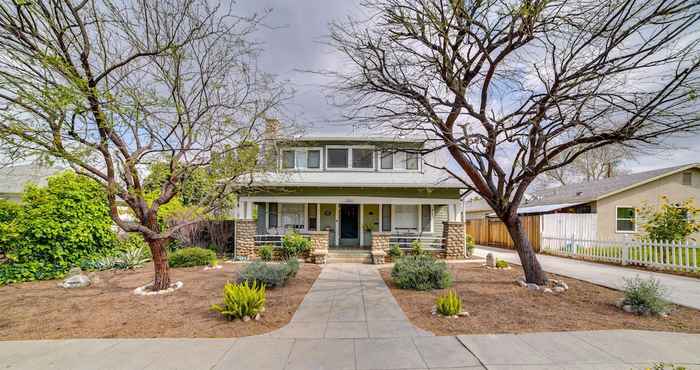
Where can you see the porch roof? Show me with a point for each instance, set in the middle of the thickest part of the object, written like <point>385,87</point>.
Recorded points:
<point>355,179</point>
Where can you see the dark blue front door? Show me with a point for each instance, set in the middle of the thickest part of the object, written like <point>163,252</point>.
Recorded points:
<point>349,224</point>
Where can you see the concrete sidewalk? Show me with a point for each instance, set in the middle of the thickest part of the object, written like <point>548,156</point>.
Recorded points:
<point>683,290</point>
<point>349,320</point>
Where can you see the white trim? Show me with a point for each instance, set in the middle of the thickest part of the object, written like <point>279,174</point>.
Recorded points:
<point>633,220</point>
<point>337,224</point>
<point>401,163</point>
<point>318,216</point>
<point>349,199</point>
<point>361,227</point>
<point>349,155</point>
<point>380,216</point>
<point>420,218</point>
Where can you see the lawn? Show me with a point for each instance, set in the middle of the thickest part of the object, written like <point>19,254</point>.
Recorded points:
<point>497,305</point>
<point>109,309</point>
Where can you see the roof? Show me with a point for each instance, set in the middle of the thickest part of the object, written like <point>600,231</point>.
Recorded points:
<point>354,138</point>
<point>13,179</point>
<point>590,191</point>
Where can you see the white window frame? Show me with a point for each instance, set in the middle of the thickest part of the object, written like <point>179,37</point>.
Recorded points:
<point>399,161</point>
<point>432,218</point>
<point>349,158</point>
<point>634,220</point>
<point>306,151</point>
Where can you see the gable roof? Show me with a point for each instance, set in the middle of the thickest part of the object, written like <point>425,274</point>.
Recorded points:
<point>589,191</point>
<point>13,179</point>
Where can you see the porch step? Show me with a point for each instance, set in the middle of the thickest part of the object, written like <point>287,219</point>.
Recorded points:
<point>349,256</point>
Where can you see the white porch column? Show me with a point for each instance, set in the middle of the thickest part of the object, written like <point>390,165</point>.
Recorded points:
<point>248,210</point>
<point>362,228</point>
<point>337,224</point>
<point>381,229</point>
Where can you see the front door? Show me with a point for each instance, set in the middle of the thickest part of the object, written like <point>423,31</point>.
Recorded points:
<point>349,225</point>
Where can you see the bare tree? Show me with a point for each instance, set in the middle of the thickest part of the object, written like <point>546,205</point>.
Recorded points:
<point>111,86</point>
<point>516,88</point>
<point>596,164</point>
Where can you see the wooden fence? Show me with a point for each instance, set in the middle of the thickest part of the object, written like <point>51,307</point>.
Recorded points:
<point>493,232</point>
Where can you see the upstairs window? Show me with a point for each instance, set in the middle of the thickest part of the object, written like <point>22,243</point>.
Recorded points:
<point>301,159</point>
<point>387,161</point>
<point>337,158</point>
<point>314,159</point>
<point>411,161</point>
<point>626,217</point>
<point>288,161</point>
<point>362,158</point>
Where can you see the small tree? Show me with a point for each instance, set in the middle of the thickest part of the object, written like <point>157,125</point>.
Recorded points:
<point>670,221</point>
<point>112,87</point>
<point>514,89</point>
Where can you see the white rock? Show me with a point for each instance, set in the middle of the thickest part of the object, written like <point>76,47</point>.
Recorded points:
<point>559,289</point>
<point>490,260</point>
<point>547,290</point>
<point>563,285</point>
<point>246,318</point>
<point>76,281</point>
<point>533,287</point>
<point>463,313</point>
<point>628,308</point>
<point>257,317</point>
<point>522,283</point>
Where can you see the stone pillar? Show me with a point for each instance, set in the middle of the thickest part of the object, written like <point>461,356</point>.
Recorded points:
<point>380,245</point>
<point>455,239</point>
<point>319,246</point>
<point>245,239</point>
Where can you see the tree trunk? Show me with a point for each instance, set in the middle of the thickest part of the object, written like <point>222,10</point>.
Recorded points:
<point>159,254</point>
<point>533,271</point>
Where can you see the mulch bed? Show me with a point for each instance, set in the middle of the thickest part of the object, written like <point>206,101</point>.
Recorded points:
<point>109,309</point>
<point>497,305</point>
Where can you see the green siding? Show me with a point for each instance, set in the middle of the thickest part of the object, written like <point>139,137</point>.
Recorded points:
<point>440,193</point>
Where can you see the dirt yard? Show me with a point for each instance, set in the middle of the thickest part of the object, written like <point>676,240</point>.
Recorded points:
<point>497,305</point>
<point>109,309</point>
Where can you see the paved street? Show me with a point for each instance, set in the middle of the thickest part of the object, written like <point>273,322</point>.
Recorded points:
<point>682,290</point>
<point>349,320</point>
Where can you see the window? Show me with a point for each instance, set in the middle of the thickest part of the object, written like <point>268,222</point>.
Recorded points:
<point>411,161</point>
<point>626,220</point>
<point>687,178</point>
<point>292,215</point>
<point>312,216</point>
<point>314,159</point>
<point>426,218</point>
<point>406,217</point>
<point>272,215</point>
<point>387,161</point>
<point>337,158</point>
<point>386,217</point>
<point>362,158</point>
<point>288,159</point>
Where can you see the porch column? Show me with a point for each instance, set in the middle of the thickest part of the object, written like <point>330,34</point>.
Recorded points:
<point>454,239</point>
<point>380,245</point>
<point>245,238</point>
<point>319,246</point>
<point>362,228</point>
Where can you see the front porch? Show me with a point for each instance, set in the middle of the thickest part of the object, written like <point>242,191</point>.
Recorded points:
<point>360,223</point>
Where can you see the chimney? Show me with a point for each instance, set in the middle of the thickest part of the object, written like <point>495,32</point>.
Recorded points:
<point>270,135</point>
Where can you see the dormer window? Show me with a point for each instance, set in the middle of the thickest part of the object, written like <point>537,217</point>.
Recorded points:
<point>301,159</point>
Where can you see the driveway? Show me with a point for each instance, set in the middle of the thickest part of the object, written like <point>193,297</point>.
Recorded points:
<point>350,320</point>
<point>683,290</point>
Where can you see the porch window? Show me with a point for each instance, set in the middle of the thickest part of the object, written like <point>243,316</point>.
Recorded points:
<point>406,217</point>
<point>312,216</point>
<point>387,160</point>
<point>292,216</point>
<point>386,217</point>
<point>426,218</point>
<point>626,220</point>
<point>272,215</point>
<point>362,158</point>
<point>337,158</point>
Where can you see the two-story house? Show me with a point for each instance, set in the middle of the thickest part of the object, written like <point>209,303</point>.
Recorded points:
<point>350,190</point>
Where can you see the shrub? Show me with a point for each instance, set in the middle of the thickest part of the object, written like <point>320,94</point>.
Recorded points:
<point>271,275</point>
<point>241,300</point>
<point>421,273</point>
<point>132,258</point>
<point>645,296</point>
<point>294,244</point>
<point>8,210</point>
<point>417,248</point>
<point>469,243</point>
<point>395,252</point>
<point>449,304</point>
<point>265,253</point>
<point>56,227</point>
<point>192,256</point>
<point>501,264</point>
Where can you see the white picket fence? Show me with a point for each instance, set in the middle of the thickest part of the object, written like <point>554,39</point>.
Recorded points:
<point>565,225</point>
<point>665,255</point>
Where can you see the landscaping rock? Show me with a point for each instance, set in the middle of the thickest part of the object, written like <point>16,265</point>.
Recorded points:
<point>76,281</point>
<point>533,287</point>
<point>559,289</point>
<point>628,308</point>
<point>145,290</point>
<point>246,318</point>
<point>490,260</point>
<point>620,303</point>
<point>563,285</point>
<point>463,314</point>
<point>257,317</point>
<point>521,283</point>
<point>547,290</point>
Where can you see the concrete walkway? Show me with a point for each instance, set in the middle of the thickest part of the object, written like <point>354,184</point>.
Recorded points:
<point>683,290</point>
<point>350,320</point>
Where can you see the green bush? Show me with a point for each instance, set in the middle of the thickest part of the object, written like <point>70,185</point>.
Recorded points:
<point>55,228</point>
<point>271,275</point>
<point>395,252</point>
<point>417,248</point>
<point>192,256</point>
<point>265,253</point>
<point>645,296</point>
<point>241,300</point>
<point>470,245</point>
<point>8,210</point>
<point>449,304</point>
<point>501,264</point>
<point>294,244</point>
<point>421,273</point>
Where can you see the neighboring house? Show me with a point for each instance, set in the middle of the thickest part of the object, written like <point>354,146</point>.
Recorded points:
<point>616,201</point>
<point>13,179</point>
<point>352,188</point>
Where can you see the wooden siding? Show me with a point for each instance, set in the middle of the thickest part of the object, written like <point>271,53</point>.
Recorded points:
<point>493,232</point>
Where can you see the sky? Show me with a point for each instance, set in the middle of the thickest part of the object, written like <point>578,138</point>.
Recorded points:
<point>293,42</point>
